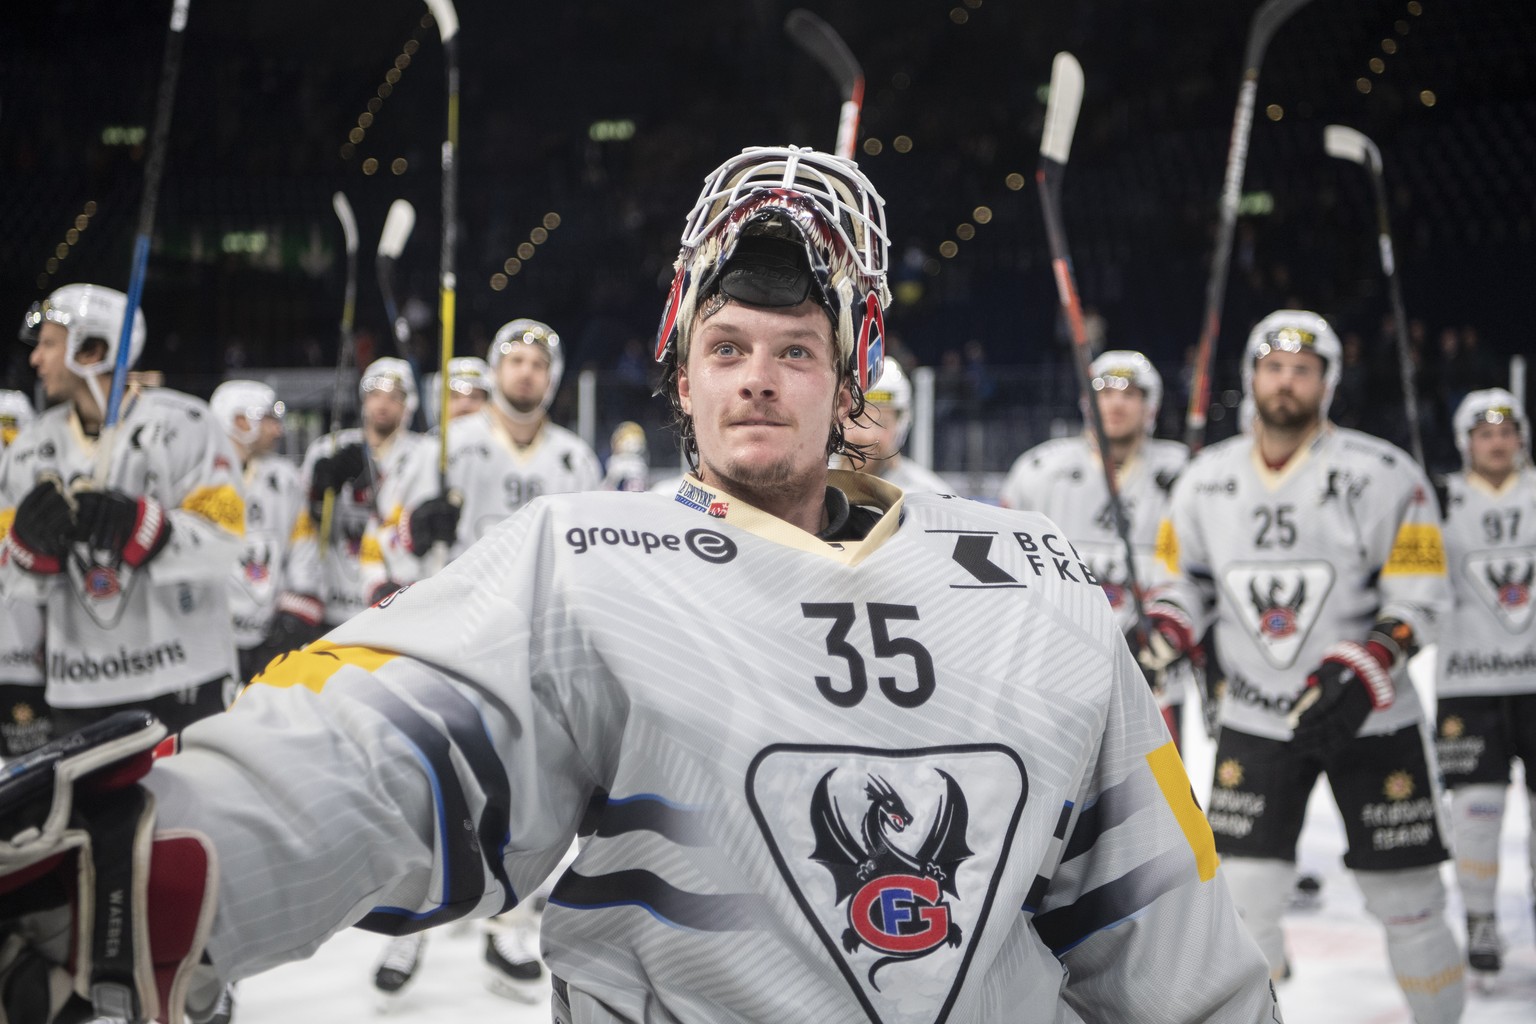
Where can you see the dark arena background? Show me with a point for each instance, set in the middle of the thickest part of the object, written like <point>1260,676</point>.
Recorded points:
<point>587,129</point>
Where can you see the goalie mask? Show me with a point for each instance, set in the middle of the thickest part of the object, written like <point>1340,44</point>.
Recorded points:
<point>391,374</point>
<point>893,393</point>
<point>1295,330</point>
<point>251,399</point>
<point>16,413</point>
<point>775,226</point>
<point>89,312</point>
<point>1494,405</point>
<point>1121,369</point>
<point>524,331</point>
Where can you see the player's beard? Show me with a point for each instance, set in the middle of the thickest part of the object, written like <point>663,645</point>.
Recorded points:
<point>1283,411</point>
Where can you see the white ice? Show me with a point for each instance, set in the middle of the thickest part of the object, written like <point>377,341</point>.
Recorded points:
<point>1337,953</point>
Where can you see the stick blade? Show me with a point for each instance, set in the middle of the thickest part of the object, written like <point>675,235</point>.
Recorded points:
<point>821,41</point>
<point>1061,108</point>
<point>1344,143</point>
<point>397,229</point>
<point>446,16</point>
<point>348,220</point>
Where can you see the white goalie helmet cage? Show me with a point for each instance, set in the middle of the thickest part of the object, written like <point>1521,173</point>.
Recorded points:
<point>249,398</point>
<point>16,413</point>
<point>391,373</point>
<point>1295,330</point>
<point>820,202</point>
<point>87,312</point>
<point>526,331</point>
<point>1491,405</point>
<point>893,391</point>
<point>1122,368</point>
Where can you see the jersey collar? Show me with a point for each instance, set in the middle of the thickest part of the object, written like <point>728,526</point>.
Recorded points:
<point>860,489</point>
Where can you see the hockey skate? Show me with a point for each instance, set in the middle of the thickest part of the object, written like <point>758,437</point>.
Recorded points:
<point>401,959</point>
<point>1485,953</point>
<point>513,968</point>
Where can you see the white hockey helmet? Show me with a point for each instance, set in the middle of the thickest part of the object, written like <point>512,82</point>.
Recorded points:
<point>249,398</point>
<point>893,391</point>
<point>1295,330</point>
<point>88,312</point>
<point>774,226</point>
<point>525,331</point>
<point>1119,369</point>
<point>1493,405</point>
<point>628,439</point>
<point>16,412</point>
<point>469,373</point>
<point>391,374</point>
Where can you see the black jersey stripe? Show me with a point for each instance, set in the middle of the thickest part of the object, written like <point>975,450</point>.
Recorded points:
<point>1113,902</point>
<point>1113,806</point>
<point>647,812</point>
<point>678,908</point>
<point>462,865</point>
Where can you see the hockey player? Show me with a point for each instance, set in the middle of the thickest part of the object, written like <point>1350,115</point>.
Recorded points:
<point>502,457</point>
<point>629,462</point>
<point>24,718</point>
<point>127,549</point>
<point>469,388</point>
<point>1064,479</point>
<point>826,773</point>
<point>252,416</point>
<point>882,431</point>
<point>1487,652</point>
<point>1318,551</point>
<point>332,578</point>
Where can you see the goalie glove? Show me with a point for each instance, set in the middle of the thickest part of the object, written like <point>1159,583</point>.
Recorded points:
<point>133,529</point>
<point>1353,680</point>
<point>101,908</point>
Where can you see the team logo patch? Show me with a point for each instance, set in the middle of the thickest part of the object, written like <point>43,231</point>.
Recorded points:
<point>1503,579</point>
<point>718,509</point>
<point>1229,774</point>
<point>101,582</point>
<point>1108,564</point>
<point>894,857</point>
<point>257,572</point>
<point>1397,786</point>
<point>1278,604</point>
<point>101,589</point>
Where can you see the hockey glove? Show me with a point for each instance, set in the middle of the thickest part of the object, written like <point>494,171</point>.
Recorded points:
<point>1170,639</point>
<point>436,519</point>
<point>299,620</point>
<point>43,529</point>
<point>334,472</point>
<point>1352,681</point>
<point>101,909</point>
<point>135,529</point>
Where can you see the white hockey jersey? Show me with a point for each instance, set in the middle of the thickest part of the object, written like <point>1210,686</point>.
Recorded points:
<point>1489,643</point>
<point>274,501</point>
<point>352,563</point>
<point>21,617</point>
<point>1291,562</point>
<point>496,477</point>
<point>908,778</point>
<point>910,475</point>
<point>116,635</point>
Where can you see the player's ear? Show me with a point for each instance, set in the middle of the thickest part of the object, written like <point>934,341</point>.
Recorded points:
<point>684,397</point>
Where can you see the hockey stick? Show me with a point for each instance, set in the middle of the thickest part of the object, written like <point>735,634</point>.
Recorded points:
<point>397,228</point>
<point>344,353</point>
<point>1348,144</point>
<point>1266,20</point>
<point>447,18</point>
<point>1061,109</point>
<point>822,42</point>
<point>154,167</point>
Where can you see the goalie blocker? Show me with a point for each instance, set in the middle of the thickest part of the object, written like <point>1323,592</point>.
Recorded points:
<point>113,913</point>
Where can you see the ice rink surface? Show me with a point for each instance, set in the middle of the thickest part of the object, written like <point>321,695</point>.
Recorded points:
<point>1337,952</point>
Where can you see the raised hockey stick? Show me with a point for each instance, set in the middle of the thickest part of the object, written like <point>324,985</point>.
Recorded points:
<point>822,42</point>
<point>1261,29</point>
<point>447,18</point>
<point>154,167</point>
<point>345,350</point>
<point>1066,97</point>
<point>1348,144</point>
<point>397,228</point>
